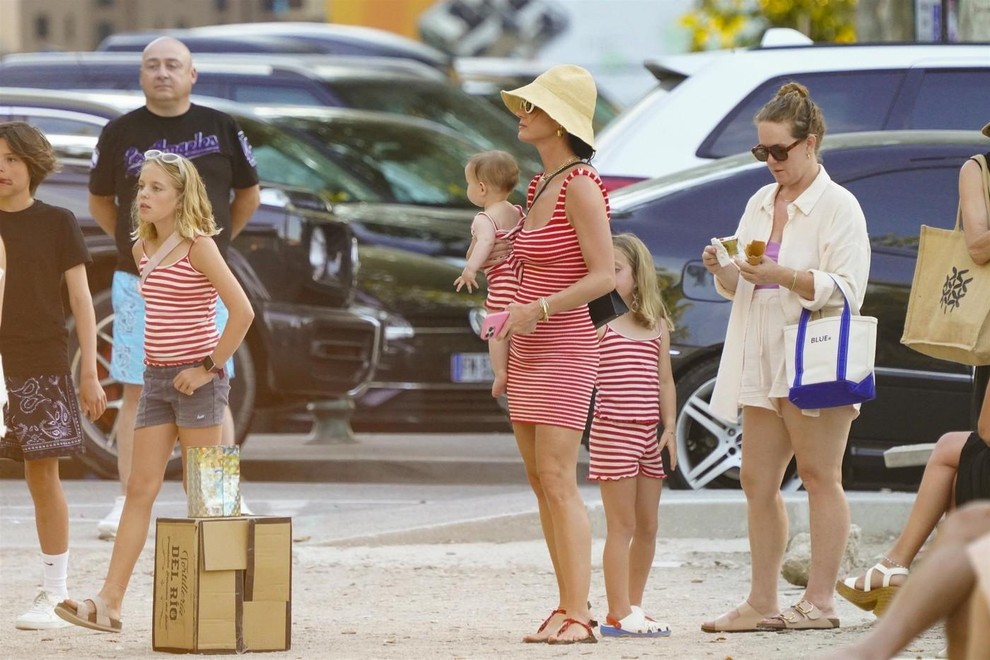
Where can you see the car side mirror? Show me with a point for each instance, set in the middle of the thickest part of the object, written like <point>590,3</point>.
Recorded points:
<point>698,284</point>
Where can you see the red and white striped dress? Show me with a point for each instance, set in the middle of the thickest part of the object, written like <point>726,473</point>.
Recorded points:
<point>552,371</point>
<point>181,307</point>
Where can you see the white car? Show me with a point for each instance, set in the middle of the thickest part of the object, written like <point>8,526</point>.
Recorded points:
<point>704,104</point>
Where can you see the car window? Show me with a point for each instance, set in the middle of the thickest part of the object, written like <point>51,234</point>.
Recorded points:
<point>285,161</point>
<point>489,127</point>
<point>265,93</point>
<point>840,95</point>
<point>967,109</point>
<point>897,203</point>
<point>60,125</point>
<point>418,166</point>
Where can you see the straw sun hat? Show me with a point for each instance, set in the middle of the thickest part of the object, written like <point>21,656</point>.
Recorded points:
<point>567,93</point>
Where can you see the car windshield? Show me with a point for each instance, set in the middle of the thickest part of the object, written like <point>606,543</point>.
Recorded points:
<point>489,127</point>
<point>414,166</point>
<point>283,160</point>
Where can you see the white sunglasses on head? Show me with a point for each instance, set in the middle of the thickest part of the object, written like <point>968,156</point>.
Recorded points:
<point>165,157</point>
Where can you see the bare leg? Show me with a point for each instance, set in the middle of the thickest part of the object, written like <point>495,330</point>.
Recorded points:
<point>124,428</point>
<point>819,445</point>
<point>644,541</point>
<point>556,460</point>
<point>51,512</point>
<point>979,626</point>
<point>526,441</point>
<point>934,499</point>
<point>148,471</point>
<point>766,451</point>
<point>498,351</point>
<point>619,502</point>
<point>228,436</point>
<point>935,590</point>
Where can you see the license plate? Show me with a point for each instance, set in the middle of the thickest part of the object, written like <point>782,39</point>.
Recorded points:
<point>471,368</point>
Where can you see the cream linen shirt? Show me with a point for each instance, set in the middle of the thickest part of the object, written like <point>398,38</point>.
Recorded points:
<point>825,234</point>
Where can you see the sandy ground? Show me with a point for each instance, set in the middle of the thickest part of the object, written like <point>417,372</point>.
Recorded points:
<point>447,600</point>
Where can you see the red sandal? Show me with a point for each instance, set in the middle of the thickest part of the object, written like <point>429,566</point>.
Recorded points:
<point>589,639</point>
<point>531,639</point>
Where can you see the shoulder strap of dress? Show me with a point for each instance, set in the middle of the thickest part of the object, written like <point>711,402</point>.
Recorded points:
<point>593,175</point>
<point>490,219</point>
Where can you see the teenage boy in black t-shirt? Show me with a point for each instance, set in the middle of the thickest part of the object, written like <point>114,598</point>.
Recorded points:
<point>44,247</point>
<point>168,122</point>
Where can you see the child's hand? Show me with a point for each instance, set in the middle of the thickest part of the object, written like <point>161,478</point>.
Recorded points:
<point>669,440</point>
<point>92,398</point>
<point>189,380</point>
<point>468,279</point>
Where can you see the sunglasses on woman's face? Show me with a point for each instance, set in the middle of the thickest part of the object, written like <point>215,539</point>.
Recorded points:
<point>779,152</point>
<point>527,107</point>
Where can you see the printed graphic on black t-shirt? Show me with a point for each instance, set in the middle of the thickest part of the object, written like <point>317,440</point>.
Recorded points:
<point>209,138</point>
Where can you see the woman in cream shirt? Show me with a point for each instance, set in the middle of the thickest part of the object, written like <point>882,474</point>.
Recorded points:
<point>814,230</point>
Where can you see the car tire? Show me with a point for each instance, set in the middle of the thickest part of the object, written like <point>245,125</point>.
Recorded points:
<point>100,436</point>
<point>709,451</point>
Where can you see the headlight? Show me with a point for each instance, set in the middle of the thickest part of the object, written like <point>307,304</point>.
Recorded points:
<point>398,328</point>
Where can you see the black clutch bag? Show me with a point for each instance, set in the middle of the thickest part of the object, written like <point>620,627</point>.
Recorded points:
<point>607,307</point>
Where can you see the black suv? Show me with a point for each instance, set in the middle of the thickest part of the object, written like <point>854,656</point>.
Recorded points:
<point>902,179</point>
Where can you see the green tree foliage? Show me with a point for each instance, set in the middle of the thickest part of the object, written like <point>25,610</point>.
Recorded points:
<point>740,23</point>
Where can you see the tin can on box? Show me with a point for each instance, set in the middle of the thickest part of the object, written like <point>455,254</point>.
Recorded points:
<point>213,477</point>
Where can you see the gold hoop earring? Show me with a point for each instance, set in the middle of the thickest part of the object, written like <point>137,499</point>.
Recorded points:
<point>560,131</point>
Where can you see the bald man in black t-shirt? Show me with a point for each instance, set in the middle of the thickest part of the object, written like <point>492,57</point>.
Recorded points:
<point>213,141</point>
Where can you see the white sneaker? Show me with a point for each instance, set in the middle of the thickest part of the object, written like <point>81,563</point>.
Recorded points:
<point>42,615</point>
<point>107,527</point>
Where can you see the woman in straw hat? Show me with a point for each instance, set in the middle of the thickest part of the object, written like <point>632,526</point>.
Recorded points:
<point>565,250</point>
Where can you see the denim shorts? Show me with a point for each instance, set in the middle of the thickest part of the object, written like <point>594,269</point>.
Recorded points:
<point>161,403</point>
<point>127,357</point>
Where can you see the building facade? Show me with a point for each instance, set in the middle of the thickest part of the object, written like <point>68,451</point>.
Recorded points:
<point>37,25</point>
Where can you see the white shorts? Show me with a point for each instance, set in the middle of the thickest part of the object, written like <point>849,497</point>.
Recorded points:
<point>764,375</point>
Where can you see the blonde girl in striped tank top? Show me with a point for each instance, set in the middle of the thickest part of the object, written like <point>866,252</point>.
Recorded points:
<point>635,397</point>
<point>185,389</point>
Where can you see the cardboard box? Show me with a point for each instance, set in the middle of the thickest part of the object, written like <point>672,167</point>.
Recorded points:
<point>213,482</point>
<point>222,584</point>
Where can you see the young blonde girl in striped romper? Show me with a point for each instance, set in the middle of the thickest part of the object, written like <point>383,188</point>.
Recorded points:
<point>635,395</point>
<point>185,389</point>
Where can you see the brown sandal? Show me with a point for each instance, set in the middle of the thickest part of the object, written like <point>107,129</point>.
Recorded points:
<point>532,639</point>
<point>589,639</point>
<point>803,616</point>
<point>744,618</point>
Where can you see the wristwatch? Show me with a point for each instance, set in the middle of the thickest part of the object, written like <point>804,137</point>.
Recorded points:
<point>209,364</point>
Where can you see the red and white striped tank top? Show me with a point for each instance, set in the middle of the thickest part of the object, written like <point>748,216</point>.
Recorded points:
<point>628,381</point>
<point>181,307</point>
<point>552,370</point>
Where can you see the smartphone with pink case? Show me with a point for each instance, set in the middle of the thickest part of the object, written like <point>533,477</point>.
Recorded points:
<point>492,325</point>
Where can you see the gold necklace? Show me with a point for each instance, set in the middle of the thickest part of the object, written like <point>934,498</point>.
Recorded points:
<point>545,180</point>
